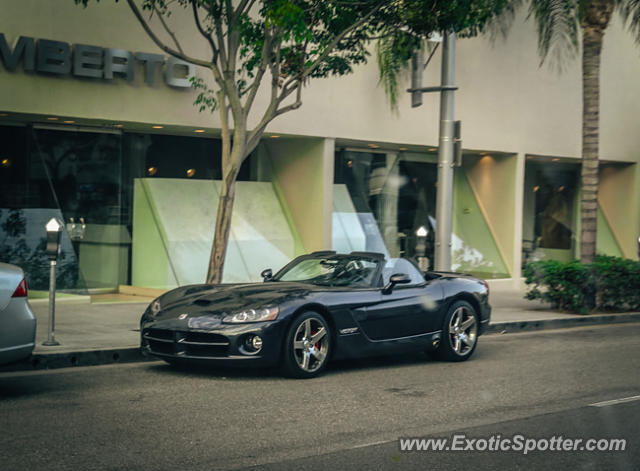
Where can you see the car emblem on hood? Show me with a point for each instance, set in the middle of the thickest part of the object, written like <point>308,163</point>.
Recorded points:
<point>183,316</point>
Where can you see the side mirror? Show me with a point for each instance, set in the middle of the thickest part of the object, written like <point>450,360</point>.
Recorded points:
<point>395,279</point>
<point>267,274</point>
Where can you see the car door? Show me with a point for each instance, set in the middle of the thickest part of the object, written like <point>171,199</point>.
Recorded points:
<point>406,311</point>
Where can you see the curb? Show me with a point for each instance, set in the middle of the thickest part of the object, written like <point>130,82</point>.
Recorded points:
<point>109,356</point>
<point>47,361</point>
<point>528,326</point>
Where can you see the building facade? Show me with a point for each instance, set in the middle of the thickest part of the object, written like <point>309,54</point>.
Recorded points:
<point>115,147</point>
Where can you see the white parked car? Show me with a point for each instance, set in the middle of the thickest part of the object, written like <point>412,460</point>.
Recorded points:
<point>17,322</point>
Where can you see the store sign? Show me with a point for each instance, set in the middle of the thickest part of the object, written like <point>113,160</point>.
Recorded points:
<point>80,60</point>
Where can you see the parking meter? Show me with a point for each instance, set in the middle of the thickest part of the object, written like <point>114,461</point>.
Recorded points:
<point>54,231</point>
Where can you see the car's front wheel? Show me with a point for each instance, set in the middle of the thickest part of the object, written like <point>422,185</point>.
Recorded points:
<point>307,346</point>
<point>459,333</point>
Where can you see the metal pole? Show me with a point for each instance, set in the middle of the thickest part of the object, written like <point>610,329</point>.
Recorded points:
<point>444,195</point>
<point>51,340</point>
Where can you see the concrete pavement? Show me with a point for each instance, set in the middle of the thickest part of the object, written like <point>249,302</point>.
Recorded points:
<point>104,329</point>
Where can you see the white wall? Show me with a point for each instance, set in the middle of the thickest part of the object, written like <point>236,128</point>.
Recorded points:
<point>505,100</point>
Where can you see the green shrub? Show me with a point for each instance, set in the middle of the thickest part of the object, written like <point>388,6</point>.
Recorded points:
<point>567,286</point>
<point>609,284</point>
<point>617,283</point>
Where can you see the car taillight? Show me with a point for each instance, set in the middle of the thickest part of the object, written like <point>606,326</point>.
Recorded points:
<point>21,290</point>
<point>486,285</point>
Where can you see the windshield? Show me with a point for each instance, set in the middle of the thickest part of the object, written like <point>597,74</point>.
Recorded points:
<point>339,270</point>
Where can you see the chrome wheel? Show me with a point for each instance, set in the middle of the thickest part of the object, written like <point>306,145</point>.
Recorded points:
<point>310,344</point>
<point>460,328</point>
<point>463,330</point>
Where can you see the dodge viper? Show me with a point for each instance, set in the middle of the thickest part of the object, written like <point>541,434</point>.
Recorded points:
<point>321,306</point>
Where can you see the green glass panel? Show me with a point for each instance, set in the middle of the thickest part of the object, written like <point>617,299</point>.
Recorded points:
<point>473,248</point>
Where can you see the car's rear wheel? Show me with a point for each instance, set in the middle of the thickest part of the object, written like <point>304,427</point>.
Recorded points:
<point>307,346</point>
<point>459,333</point>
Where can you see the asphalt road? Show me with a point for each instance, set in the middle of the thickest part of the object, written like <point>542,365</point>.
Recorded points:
<point>150,416</point>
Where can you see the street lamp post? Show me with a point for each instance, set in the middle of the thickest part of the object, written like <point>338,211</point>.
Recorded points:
<point>444,194</point>
<point>446,152</point>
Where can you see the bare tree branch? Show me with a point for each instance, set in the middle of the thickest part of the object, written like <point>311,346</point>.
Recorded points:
<point>221,49</point>
<point>266,57</point>
<point>244,6</point>
<point>204,33</point>
<point>160,44</point>
<point>166,27</point>
<point>293,106</point>
<point>329,49</point>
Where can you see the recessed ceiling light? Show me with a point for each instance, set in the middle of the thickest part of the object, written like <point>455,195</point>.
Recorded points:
<point>52,118</point>
<point>69,122</point>
<point>275,136</point>
<point>152,170</point>
<point>555,159</point>
<point>403,148</point>
<point>118,125</point>
<point>191,172</point>
<point>199,130</point>
<point>373,146</point>
<point>432,149</point>
<point>157,126</point>
<point>6,163</point>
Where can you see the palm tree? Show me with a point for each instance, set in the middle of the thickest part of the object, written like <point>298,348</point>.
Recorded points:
<point>563,26</point>
<point>559,24</point>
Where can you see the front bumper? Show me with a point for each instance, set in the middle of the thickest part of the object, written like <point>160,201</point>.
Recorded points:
<point>222,344</point>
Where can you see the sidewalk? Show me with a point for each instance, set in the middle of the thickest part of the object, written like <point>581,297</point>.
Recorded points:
<point>104,329</point>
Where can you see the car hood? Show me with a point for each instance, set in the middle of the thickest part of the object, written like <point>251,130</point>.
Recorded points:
<point>221,300</point>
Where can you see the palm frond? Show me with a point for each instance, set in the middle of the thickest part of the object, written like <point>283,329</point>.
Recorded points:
<point>499,25</point>
<point>630,11</point>
<point>557,22</point>
<point>393,55</point>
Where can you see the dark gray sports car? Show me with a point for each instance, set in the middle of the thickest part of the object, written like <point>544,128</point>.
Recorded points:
<point>319,307</point>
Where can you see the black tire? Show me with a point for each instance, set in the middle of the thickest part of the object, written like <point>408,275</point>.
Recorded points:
<point>303,358</point>
<point>458,344</point>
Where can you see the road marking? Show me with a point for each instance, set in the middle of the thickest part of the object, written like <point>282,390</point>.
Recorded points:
<point>615,401</point>
<point>365,445</point>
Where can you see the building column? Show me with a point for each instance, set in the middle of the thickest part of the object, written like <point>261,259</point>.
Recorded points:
<point>518,220</point>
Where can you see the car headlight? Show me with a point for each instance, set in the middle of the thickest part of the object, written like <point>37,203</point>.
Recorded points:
<point>155,307</point>
<point>252,315</point>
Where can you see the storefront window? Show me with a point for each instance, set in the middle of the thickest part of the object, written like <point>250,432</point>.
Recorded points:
<point>85,178</point>
<point>550,209</point>
<point>393,196</point>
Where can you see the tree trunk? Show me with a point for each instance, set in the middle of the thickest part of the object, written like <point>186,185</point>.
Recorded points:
<point>594,25</point>
<point>223,227</point>
<point>592,45</point>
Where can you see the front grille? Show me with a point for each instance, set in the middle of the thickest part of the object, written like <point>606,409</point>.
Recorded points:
<point>204,337</point>
<point>159,334</point>
<point>183,343</point>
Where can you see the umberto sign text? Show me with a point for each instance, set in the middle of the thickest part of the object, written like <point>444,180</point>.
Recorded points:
<point>80,60</point>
